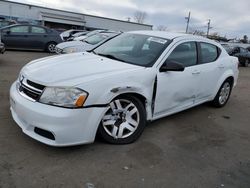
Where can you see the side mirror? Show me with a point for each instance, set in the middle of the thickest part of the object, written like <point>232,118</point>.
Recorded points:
<point>170,65</point>
<point>8,32</point>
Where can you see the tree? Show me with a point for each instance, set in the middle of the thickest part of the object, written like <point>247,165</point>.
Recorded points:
<point>161,28</point>
<point>140,16</point>
<point>199,32</point>
<point>245,39</point>
<point>215,34</point>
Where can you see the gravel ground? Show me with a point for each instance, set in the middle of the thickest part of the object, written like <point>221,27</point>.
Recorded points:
<point>200,147</point>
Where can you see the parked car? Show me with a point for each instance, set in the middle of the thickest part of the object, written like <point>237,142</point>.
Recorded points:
<point>2,47</point>
<point>88,35</point>
<point>133,78</point>
<point>68,33</point>
<point>87,44</point>
<point>30,37</point>
<point>227,47</point>
<point>242,54</point>
<point>78,35</point>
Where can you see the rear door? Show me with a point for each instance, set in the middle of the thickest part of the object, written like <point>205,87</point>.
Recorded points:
<point>38,37</point>
<point>211,67</point>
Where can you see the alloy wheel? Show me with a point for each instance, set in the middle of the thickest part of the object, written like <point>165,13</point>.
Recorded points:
<point>51,47</point>
<point>224,93</point>
<point>247,63</point>
<point>121,119</point>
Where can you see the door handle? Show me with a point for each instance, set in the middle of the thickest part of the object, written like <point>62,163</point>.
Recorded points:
<point>196,72</point>
<point>221,66</point>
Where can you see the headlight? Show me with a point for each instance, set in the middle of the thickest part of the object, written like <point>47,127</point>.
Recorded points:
<point>64,97</point>
<point>70,50</point>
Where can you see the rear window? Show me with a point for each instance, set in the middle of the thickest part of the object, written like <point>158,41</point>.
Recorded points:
<point>37,30</point>
<point>209,52</point>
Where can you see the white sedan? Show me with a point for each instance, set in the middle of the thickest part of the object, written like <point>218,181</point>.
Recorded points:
<point>88,43</point>
<point>114,90</point>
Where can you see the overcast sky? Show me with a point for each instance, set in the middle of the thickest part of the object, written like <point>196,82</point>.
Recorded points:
<point>228,17</point>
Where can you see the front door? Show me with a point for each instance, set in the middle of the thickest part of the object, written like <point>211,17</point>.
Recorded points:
<point>177,90</point>
<point>16,37</point>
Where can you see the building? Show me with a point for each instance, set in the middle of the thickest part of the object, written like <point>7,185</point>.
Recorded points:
<point>61,19</point>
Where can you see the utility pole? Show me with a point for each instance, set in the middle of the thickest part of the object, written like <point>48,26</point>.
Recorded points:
<point>188,19</point>
<point>208,26</point>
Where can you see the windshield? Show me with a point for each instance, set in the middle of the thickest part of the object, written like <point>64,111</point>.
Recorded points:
<point>80,34</point>
<point>142,50</point>
<point>95,39</point>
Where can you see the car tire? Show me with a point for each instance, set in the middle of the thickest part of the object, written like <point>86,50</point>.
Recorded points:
<point>50,47</point>
<point>223,94</point>
<point>123,121</point>
<point>246,63</point>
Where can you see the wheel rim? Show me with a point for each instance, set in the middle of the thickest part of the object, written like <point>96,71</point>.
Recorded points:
<point>51,47</point>
<point>247,62</point>
<point>121,119</point>
<point>224,93</point>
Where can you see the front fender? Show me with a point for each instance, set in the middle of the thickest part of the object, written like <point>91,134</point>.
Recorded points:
<point>102,92</point>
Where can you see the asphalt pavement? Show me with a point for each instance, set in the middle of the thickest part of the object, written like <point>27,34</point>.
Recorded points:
<point>203,147</point>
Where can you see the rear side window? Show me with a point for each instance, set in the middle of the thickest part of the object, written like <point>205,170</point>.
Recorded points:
<point>185,54</point>
<point>209,52</point>
<point>37,30</point>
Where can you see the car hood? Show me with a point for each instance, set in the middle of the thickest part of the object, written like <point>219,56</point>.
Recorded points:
<point>69,44</point>
<point>73,69</point>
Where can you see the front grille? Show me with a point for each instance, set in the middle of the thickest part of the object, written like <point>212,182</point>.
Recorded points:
<point>30,90</point>
<point>33,84</point>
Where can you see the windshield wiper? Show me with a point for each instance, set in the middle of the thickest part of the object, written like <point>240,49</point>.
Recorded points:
<point>91,51</point>
<point>85,41</point>
<point>110,57</point>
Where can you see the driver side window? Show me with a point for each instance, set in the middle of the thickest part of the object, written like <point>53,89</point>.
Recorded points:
<point>19,29</point>
<point>185,54</point>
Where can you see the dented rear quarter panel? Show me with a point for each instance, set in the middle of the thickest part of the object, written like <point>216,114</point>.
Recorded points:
<point>231,70</point>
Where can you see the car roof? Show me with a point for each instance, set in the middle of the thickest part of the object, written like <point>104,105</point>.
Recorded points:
<point>171,35</point>
<point>162,34</point>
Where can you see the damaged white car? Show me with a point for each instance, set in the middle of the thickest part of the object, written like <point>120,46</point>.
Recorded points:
<point>115,89</point>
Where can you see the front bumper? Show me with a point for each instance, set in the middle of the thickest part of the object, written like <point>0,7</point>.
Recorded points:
<point>68,126</point>
<point>58,50</point>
